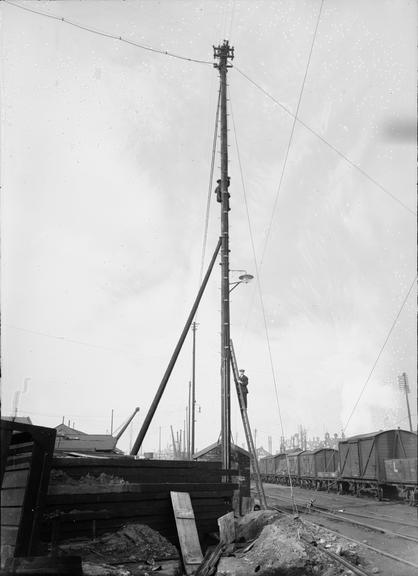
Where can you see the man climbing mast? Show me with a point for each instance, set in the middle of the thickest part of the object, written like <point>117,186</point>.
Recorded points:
<point>218,190</point>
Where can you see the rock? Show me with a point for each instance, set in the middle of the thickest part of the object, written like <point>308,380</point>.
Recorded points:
<point>331,571</point>
<point>365,542</point>
<point>276,551</point>
<point>339,550</point>
<point>249,526</point>
<point>375,570</point>
<point>350,555</point>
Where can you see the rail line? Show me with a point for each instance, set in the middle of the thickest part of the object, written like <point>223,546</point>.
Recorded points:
<point>358,542</point>
<point>382,517</point>
<point>355,569</point>
<point>354,522</point>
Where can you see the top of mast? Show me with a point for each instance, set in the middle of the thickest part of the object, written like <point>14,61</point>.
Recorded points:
<point>223,52</point>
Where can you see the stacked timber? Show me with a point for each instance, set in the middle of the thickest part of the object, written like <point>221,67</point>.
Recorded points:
<point>90,496</point>
<point>26,454</point>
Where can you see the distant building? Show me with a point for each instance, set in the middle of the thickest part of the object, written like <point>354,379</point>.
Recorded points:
<point>262,453</point>
<point>75,442</point>
<point>240,461</point>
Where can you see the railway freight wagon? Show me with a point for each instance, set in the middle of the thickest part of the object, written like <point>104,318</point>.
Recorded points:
<point>362,461</point>
<point>280,469</point>
<point>276,469</point>
<point>401,478</point>
<point>293,466</point>
<point>286,467</point>
<point>319,468</point>
<point>266,467</point>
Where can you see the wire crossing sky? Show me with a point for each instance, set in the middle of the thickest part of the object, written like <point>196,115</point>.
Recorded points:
<point>107,149</point>
<point>105,34</point>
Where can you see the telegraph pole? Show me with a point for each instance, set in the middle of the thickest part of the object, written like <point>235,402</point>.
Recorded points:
<point>404,386</point>
<point>224,53</point>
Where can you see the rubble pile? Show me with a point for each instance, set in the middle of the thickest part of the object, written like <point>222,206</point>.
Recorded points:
<point>116,553</point>
<point>269,544</point>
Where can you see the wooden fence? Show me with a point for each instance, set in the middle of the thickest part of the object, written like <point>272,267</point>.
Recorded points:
<point>89,496</point>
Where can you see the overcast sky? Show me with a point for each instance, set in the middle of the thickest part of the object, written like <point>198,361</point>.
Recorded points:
<point>105,174</point>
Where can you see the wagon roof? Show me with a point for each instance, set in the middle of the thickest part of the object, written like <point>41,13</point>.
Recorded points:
<point>291,453</point>
<point>373,434</point>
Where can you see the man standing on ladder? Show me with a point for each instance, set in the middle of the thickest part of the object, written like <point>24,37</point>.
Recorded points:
<point>243,382</point>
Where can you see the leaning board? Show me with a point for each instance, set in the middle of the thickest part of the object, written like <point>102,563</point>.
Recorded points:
<point>187,531</point>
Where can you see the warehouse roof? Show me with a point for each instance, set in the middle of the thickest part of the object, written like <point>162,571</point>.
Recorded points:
<point>234,448</point>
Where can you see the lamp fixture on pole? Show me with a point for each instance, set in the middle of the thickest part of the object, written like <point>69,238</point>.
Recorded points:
<point>243,279</point>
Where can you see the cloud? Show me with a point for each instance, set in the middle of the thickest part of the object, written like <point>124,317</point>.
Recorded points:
<point>400,130</point>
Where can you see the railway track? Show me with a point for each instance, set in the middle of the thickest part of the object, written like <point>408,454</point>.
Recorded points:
<point>350,528</point>
<point>352,567</point>
<point>338,514</point>
<point>314,510</point>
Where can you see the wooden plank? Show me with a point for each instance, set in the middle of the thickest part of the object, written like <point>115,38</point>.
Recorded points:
<point>20,448</point>
<point>11,516</point>
<point>12,497</point>
<point>110,495</point>
<point>226,525</point>
<point>24,485</point>
<point>210,561</point>
<point>15,478</point>
<point>20,466</point>
<point>9,535</point>
<point>247,504</point>
<point>91,503</point>
<point>187,531</point>
<point>153,491</point>
<point>5,436</point>
<point>150,477</point>
<point>146,476</point>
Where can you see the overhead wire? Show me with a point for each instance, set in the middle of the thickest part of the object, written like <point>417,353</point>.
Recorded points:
<point>289,144</point>
<point>65,339</point>
<point>325,141</point>
<point>404,301</point>
<point>260,292</point>
<point>212,166</point>
<point>106,34</point>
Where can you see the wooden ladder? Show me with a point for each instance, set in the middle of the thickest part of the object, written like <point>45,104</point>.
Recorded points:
<point>247,429</point>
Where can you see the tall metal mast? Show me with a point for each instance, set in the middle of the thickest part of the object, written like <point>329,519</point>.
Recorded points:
<point>193,397</point>
<point>224,53</point>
